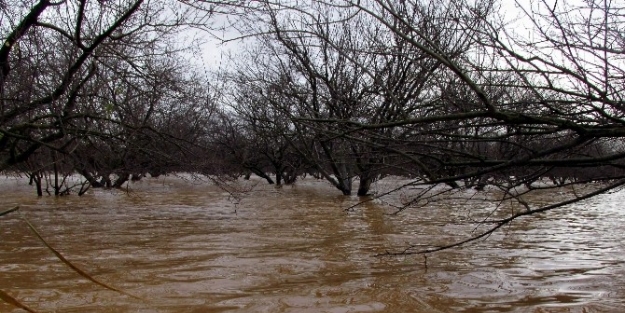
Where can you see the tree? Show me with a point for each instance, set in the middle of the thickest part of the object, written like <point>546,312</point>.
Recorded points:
<point>108,76</point>
<point>307,78</point>
<point>494,106</point>
<point>268,132</point>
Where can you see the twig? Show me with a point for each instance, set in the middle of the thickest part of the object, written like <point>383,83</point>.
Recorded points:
<point>14,302</point>
<point>17,207</point>
<point>72,266</point>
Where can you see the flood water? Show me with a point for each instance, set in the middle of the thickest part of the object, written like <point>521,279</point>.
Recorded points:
<point>184,246</point>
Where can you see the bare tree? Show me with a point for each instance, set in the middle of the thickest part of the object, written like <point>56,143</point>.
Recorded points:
<point>109,76</point>
<point>451,91</point>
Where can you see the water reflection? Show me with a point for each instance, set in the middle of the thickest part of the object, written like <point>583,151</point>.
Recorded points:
<point>192,248</point>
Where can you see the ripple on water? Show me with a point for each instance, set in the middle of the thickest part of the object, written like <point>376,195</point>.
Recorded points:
<point>192,248</point>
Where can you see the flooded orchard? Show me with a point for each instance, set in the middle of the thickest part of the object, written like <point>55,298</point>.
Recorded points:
<point>185,246</point>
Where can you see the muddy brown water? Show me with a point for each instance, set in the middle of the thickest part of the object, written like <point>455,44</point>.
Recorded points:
<point>184,246</point>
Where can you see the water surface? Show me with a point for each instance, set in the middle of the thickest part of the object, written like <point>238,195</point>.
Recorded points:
<point>185,246</point>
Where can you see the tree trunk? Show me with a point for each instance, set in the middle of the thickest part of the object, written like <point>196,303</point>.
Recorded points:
<point>36,178</point>
<point>291,176</point>
<point>345,185</point>
<point>278,176</point>
<point>57,188</point>
<point>121,180</point>
<point>105,181</point>
<point>365,184</point>
<point>261,174</point>
<point>94,183</point>
<point>481,184</point>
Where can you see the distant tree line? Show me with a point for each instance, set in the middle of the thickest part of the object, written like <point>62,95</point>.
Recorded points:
<point>102,89</point>
<point>447,93</point>
<point>517,97</point>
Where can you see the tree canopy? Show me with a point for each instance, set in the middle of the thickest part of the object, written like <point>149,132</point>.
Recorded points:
<point>457,94</point>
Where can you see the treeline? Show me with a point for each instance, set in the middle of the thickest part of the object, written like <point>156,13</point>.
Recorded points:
<point>442,92</point>
<point>102,89</point>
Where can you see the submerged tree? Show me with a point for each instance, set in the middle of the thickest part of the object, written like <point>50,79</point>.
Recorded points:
<point>104,85</point>
<point>363,74</point>
<point>451,91</point>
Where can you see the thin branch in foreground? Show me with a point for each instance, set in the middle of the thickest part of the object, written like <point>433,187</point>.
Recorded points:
<point>14,302</point>
<point>505,221</point>
<point>74,267</point>
<point>15,208</point>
